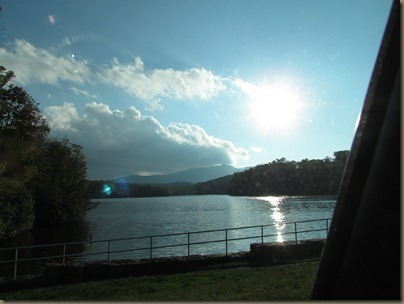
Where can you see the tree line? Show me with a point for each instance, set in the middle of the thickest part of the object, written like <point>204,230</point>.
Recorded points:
<point>42,179</point>
<point>282,177</point>
<point>279,177</point>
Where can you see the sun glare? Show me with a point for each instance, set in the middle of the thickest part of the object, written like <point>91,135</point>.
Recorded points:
<point>275,107</point>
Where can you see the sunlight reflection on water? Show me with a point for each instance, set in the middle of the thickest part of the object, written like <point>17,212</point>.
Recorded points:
<point>276,214</point>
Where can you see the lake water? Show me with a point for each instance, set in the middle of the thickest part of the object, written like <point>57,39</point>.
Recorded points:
<point>135,217</point>
<point>151,216</point>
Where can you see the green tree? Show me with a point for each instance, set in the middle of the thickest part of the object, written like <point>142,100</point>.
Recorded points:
<point>20,116</point>
<point>23,130</point>
<point>282,177</point>
<point>62,189</point>
<point>16,207</point>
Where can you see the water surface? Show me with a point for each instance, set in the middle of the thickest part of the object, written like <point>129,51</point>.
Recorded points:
<point>138,217</point>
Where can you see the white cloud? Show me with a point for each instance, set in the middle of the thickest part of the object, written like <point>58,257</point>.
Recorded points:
<point>36,65</point>
<point>66,41</point>
<point>78,91</point>
<point>62,120</point>
<point>256,149</point>
<point>195,83</point>
<point>126,142</point>
<point>246,87</point>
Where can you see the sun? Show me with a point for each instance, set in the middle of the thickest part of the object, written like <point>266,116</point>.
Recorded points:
<point>275,107</point>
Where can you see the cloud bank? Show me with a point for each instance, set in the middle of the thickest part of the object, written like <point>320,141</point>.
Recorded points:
<point>118,143</point>
<point>36,65</point>
<point>151,85</point>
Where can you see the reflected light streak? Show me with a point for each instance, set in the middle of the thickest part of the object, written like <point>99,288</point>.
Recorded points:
<point>276,215</point>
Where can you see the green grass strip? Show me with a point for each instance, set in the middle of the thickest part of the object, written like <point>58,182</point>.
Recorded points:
<point>282,282</point>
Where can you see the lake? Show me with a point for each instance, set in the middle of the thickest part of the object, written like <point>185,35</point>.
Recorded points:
<point>163,215</point>
<point>135,217</point>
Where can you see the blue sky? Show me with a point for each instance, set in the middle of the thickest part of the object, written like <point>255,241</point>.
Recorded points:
<point>153,86</point>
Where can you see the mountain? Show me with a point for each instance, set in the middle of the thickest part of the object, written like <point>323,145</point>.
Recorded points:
<point>194,176</point>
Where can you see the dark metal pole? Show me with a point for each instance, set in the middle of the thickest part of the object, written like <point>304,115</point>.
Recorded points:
<point>262,234</point>
<point>189,249</point>
<point>109,246</point>
<point>15,263</point>
<point>64,254</point>
<point>226,242</point>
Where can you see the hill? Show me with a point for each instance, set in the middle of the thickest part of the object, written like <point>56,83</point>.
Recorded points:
<point>195,175</point>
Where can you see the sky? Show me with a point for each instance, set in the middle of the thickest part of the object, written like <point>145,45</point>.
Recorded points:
<point>155,87</point>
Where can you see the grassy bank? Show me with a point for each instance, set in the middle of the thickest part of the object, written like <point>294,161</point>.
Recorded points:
<point>283,282</point>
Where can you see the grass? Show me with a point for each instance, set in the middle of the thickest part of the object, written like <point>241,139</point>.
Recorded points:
<point>282,282</point>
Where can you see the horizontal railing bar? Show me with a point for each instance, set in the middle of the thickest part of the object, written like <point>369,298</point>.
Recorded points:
<point>312,230</point>
<point>245,238</point>
<point>117,251</point>
<point>207,242</point>
<point>33,259</point>
<point>48,245</point>
<point>170,246</point>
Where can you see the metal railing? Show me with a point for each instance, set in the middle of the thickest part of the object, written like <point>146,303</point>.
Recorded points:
<point>60,253</point>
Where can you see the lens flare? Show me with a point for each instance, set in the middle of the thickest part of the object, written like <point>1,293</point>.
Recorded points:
<point>51,19</point>
<point>106,189</point>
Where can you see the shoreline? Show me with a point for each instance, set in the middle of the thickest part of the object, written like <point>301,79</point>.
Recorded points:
<point>260,254</point>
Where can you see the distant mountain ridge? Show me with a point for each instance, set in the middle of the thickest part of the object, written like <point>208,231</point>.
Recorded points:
<point>195,175</point>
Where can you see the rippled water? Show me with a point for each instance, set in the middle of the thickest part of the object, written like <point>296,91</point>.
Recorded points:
<point>136,217</point>
<point>130,217</point>
<point>133,217</point>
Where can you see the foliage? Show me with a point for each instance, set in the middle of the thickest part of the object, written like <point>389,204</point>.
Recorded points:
<point>40,180</point>
<point>19,113</point>
<point>215,186</point>
<point>282,177</point>
<point>22,133</point>
<point>62,189</point>
<point>16,208</point>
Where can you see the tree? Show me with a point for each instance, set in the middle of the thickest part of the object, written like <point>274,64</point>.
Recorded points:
<point>282,177</point>
<point>20,116</point>
<point>62,189</point>
<point>23,130</point>
<point>16,208</point>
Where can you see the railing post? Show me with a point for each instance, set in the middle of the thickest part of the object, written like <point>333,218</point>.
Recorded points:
<point>151,247</point>
<point>326,224</point>
<point>189,249</point>
<point>226,242</point>
<point>295,232</point>
<point>262,234</point>
<point>109,246</point>
<point>64,254</point>
<point>15,263</point>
